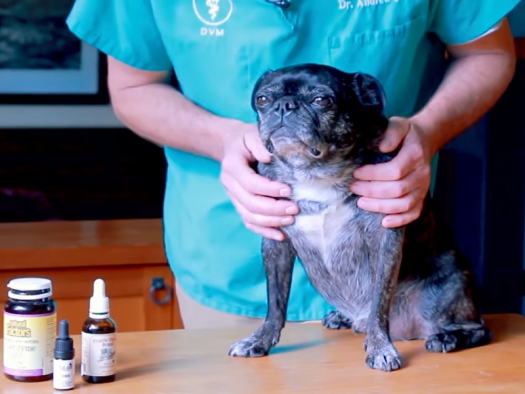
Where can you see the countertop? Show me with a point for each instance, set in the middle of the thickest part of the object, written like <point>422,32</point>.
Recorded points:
<point>309,359</point>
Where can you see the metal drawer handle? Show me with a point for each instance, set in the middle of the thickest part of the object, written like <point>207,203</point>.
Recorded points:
<point>157,284</point>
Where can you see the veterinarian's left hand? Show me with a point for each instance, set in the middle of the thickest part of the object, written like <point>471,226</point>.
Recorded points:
<point>397,188</point>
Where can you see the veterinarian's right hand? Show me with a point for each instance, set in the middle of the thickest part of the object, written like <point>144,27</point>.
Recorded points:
<point>254,196</point>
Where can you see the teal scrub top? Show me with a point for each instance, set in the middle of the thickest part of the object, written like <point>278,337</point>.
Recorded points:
<point>218,49</point>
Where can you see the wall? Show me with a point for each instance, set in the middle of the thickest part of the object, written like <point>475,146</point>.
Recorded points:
<point>52,116</point>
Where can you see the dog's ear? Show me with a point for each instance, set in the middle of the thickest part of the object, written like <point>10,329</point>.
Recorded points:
<point>258,85</point>
<point>369,92</point>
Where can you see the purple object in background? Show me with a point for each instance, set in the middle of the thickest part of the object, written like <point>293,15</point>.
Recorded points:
<point>21,205</point>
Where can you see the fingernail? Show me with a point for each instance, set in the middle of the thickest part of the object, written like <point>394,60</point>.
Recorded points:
<point>361,203</point>
<point>354,188</point>
<point>276,236</point>
<point>287,221</point>
<point>292,210</point>
<point>284,192</point>
<point>385,144</point>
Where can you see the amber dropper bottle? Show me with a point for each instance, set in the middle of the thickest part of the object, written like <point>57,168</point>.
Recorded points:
<point>99,339</point>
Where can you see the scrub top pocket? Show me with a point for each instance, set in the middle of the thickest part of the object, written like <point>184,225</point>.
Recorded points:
<point>399,48</point>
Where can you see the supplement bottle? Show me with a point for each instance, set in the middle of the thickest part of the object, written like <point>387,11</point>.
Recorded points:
<point>98,339</point>
<point>29,330</point>
<point>64,362</point>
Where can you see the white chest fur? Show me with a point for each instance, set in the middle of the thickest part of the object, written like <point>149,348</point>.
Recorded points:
<point>322,229</point>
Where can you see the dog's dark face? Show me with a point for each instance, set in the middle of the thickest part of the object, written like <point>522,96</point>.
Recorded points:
<point>310,115</point>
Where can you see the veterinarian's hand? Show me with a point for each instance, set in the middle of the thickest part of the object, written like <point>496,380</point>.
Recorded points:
<point>396,188</point>
<point>253,195</point>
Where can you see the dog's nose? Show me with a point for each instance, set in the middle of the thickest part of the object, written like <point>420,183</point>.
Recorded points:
<point>285,106</point>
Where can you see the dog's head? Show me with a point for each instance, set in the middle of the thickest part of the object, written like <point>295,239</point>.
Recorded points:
<point>310,115</point>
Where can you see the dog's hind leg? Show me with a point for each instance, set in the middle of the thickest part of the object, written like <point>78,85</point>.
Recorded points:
<point>278,257</point>
<point>336,320</point>
<point>448,306</point>
<point>459,339</point>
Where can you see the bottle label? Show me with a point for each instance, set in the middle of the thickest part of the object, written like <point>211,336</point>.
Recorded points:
<point>63,374</point>
<point>98,354</point>
<point>28,344</point>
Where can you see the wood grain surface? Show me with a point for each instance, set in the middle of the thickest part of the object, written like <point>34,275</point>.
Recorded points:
<point>309,359</point>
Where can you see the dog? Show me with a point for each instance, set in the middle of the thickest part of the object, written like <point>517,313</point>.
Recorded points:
<point>411,282</point>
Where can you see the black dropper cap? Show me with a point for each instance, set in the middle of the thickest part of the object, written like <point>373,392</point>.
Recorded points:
<point>63,343</point>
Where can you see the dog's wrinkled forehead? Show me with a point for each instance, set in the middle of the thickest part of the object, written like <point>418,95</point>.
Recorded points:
<point>298,80</point>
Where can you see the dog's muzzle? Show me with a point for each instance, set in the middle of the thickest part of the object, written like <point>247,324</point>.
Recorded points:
<point>292,130</point>
<point>285,141</point>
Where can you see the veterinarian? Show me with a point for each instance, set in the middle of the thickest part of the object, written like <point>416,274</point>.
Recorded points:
<point>216,208</point>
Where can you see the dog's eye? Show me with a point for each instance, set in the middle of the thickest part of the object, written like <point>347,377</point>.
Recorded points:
<point>314,152</point>
<point>262,100</point>
<point>322,101</point>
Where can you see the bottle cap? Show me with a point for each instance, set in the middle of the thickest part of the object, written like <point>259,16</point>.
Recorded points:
<point>99,303</point>
<point>29,284</point>
<point>64,343</point>
<point>29,288</point>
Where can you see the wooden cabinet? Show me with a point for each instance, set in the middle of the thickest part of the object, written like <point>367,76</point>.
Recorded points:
<point>127,254</point>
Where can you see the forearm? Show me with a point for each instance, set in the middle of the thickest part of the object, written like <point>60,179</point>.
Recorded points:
<point>161,114</point>
<point>470,88</point>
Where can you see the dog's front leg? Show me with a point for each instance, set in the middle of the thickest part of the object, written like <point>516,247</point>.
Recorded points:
<point>380,352</point>
<point>278,260</point>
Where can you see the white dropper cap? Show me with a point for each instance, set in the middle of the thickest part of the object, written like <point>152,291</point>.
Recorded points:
<point>99,303</point>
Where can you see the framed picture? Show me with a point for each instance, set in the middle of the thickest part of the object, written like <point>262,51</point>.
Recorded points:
<point>42,62</point>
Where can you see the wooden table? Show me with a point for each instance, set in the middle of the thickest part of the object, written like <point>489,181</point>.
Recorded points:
<point>309,359</point>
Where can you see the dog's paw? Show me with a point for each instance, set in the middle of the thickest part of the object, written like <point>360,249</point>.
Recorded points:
<point>441,343</point>
<point>256,345</point>
<point>335,320</point>
<point>385,359</point>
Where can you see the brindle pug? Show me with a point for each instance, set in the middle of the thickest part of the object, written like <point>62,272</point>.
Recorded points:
<point>320,124</point>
